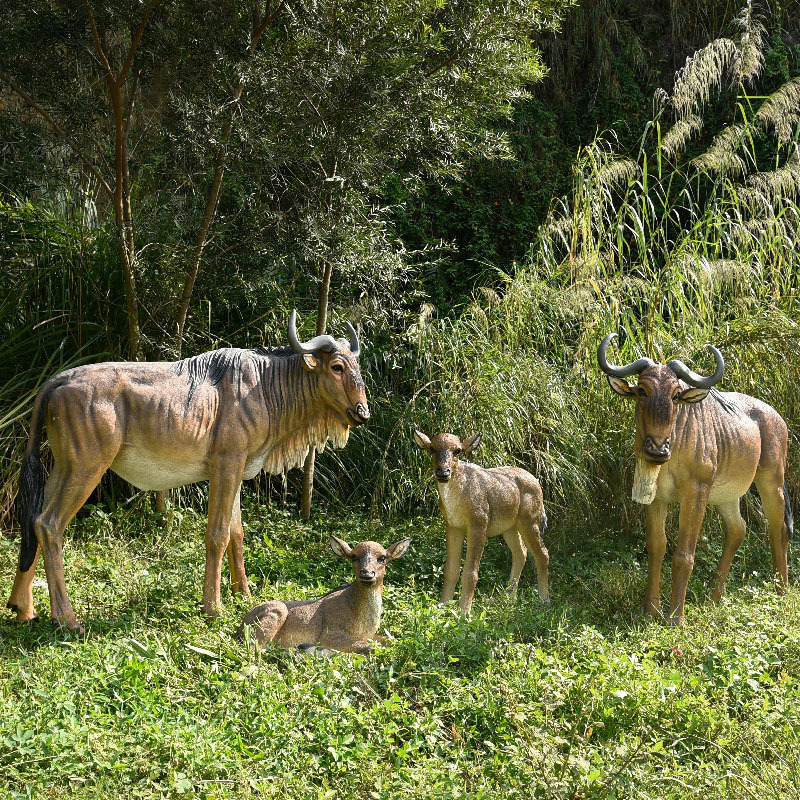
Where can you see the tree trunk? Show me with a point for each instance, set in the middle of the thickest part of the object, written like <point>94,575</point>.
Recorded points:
<point>322,320</point>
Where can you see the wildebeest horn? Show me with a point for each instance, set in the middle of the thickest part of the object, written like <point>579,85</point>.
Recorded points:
<point>324,342</point>
<point>355,347</point>
<point>692,378</point>
<point>620,372</point>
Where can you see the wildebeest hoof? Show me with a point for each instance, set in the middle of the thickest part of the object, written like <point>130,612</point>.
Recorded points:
<point>75,627</point>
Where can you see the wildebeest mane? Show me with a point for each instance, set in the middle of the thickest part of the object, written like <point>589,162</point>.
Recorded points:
<point>212,367</point>
<point>727,405</point>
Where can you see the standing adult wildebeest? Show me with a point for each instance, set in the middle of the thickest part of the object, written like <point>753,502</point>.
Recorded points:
<point>699,453</point>
<point>221,416</point>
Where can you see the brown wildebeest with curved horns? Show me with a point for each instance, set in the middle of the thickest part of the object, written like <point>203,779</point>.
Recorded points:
<point>221,416</point>
<point>698,453</point>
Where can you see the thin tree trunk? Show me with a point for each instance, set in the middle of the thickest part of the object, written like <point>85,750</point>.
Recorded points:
<point>322,321</point>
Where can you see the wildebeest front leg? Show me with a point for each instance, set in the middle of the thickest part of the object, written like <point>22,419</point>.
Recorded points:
<point>236,549</point>
<point>476,541</point>
<point>345,643</point>
<point>452,563</point>
<point>223,487</point>
<point>693,509</point>
<point>656,516</point>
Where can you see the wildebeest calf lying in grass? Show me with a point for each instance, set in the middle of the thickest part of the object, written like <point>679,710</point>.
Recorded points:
<point>344,619</point>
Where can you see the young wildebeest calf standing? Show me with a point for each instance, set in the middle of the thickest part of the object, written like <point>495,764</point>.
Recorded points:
<point>344,619</point>
<point>478,503</point>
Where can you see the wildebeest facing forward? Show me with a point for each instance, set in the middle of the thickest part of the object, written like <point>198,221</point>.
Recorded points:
<point>221,416</point>
<point>698,453</point>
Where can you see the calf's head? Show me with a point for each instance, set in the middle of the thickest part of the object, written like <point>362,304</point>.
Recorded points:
<point>335,363</point>
<point>369,559</point>
<point>445,450</point>
<point>657,392</point>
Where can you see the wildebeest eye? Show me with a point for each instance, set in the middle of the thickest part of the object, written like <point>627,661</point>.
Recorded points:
<point>337,368</point>
<point>381,559</point>
<point>642,392</point>
<point>457,452</point>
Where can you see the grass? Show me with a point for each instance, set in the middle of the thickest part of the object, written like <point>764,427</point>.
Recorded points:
<point>584,699</point>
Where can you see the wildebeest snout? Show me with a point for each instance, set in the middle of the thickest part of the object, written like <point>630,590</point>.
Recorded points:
<point>443,474</point>
<point>656,452</point>
<point>359,415</point>
<point>366,574</point>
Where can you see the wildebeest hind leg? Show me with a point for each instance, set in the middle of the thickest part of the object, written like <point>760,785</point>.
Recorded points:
<point>735,531</point>
<point>21,599</point>
<point>67,489</point>
<point>770,488</point>
<point>236,550</point>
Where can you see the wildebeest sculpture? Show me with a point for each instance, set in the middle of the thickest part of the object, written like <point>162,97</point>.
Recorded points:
<point>221,416</point>
<point>700,450</point>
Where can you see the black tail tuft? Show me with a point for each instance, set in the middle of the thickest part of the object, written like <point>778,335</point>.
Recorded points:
<point>30,499</point>
<point>788,518</point>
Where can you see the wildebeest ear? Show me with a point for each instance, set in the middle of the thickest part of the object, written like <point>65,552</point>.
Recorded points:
<point>691,395</point>
<point>471,443</point>
<point>311,362</point>
<point>398,549</point>
<point>340,547</point>
<point>621,386</point>
<point>422,440</point>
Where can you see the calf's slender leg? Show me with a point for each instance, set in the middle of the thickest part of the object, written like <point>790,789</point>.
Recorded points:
<point>236,549</point>
<point>452,564</point>
<point>655,519</point>
<point>519,554</point>
<point>532,534</point>
<point>693,509</point>
<point>476,541</point>
<point>735,529</point>
<point>265,621</point>
<point>226,477</point>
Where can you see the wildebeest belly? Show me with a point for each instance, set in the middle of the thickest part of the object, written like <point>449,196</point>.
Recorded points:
<point>157,471</point>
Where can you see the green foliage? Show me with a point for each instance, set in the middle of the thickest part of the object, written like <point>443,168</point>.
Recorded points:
<point>581,699</point>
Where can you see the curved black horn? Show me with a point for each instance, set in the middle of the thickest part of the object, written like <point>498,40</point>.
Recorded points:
<point>692,378</point>
<point>355,347</point>
<point>620,372</point>
<point>324,342</point>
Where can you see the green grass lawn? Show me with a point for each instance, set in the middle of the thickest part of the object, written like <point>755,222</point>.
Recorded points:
<point>584,699</point>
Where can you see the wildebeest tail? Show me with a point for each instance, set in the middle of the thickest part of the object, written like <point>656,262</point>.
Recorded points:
<point>788,518</point>
<point>30,496</point>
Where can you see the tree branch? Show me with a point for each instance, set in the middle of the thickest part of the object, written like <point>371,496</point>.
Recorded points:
<point>135,43</point>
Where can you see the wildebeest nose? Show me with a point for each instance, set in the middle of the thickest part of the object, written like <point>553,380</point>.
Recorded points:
<point>659,450</point>
<point>363,412</point>
<point>442,472</point>
<point>366,573</point>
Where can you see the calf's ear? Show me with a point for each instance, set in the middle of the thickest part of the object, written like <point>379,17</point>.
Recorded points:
<point>621,386</point>
<point>422,440</point>
<point>398,549</point>
<point>691,395</point>
<point>471,443</point>
<point>340,547</point>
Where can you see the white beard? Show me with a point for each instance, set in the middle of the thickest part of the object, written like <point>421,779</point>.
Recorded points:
<point>645,477</point>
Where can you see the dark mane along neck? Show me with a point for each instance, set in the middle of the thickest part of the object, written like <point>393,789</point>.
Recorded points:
<point>297,417</point>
